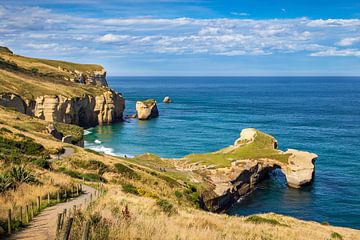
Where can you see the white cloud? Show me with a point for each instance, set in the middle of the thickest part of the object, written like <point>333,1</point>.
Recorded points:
<point>113,38</point>
<point>242,14</point>
<point>40,29</point>
<point>337,53</point>
<point>348,41</point>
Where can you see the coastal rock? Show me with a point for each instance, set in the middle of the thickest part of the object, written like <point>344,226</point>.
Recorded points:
<point>233,172</point>
<point>85,111</point>
<point>167,99</point>
<point>146,109</point>
<point>54,132</point>
<point>67,139</point>
<point>14,101</point>
<point>300,170</point>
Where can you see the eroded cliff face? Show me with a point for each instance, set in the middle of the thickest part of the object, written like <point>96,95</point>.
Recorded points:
<point>88,77</point>
<point>226,185</point>
<point>85,111</point>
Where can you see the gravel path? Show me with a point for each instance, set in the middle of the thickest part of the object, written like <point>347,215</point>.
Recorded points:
<point>43,226</point>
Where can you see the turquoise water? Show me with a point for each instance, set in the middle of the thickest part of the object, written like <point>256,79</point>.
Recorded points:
<point>320,115</point>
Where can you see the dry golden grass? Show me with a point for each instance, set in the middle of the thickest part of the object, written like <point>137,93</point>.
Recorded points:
<point>25,194</point>
<point>147,221</point>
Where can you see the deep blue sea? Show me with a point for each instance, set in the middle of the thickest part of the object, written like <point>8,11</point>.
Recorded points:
<point>316,114</point>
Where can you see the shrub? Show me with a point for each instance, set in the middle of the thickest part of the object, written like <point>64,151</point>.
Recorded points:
<point>71,173</point>
<point>192,196</point>
<point>336,236</point>
<point>92,177</point>
<point>178,194</point>
<point>126,171</point>
<point>259,220</point>
<point>166,206</point>
<point>19,174</point>
<point>41,162</point>
<point>129,188</point>
<point>34,70</point>
<point>5,183</point>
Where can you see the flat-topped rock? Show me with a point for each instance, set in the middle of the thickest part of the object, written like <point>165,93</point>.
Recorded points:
<point>300,169</point>
<point>146,109</point>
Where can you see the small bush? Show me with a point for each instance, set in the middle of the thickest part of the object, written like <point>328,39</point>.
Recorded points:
<point>126,171</point>
<point>71,173</point>
<point>92,177</point>
<point>19,174</point>
<point>41,162</point>
<point>336,236</point>
<point>259,220</point>
<point>34,70</point>
<point>325,223</point>
<point>192,196</point>
<point>129,188</point>
<point>166,206</point>
<point>178,194</point>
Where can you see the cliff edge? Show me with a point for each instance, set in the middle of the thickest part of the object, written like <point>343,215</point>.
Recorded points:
<point>233,172</point>
<point>58,91</point>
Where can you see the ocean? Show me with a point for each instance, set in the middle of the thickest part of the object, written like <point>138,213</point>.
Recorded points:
<point>316,114</point>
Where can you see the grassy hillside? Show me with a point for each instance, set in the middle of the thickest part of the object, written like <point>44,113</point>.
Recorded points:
<point>146,197</point>
<point>33,77</point>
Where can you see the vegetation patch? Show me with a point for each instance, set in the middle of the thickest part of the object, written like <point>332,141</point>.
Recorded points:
<point>129,188</point>
<point>126,171</point>
<point>336,236</point>
<point>166,206</point>
<point>260,220</point>
<point>76,132</point>
<point>14,176</point>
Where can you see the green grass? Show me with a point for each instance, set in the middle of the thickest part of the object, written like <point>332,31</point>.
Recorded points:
<point>261,220</point>
<point>261,147</point>
<point>126,171</point>
<point>148,102</point>
<point>76,132</point>
<point>166,206</point>
<point>336,236</point>
<point>129,188</point>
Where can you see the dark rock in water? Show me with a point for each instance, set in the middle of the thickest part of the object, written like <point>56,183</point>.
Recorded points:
<point>146,109</point>
<point>167,99</point>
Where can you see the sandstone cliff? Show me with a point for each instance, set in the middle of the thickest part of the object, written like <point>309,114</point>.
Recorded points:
<point>146,109</point>
<point>233,172</point>
<point>58,91</point>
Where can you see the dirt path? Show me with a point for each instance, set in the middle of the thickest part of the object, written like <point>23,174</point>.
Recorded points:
<point>43,226</point>
<point>68,152</point>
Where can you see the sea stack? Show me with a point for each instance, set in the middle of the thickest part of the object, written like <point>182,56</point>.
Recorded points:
<point>167,99</point>
<point>146,109</point>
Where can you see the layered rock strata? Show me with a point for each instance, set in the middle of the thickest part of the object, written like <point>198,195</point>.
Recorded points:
<point>85,111</point>
<point>146,109</point>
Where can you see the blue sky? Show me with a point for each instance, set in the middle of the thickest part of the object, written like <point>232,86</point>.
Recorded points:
<point>190,38</point>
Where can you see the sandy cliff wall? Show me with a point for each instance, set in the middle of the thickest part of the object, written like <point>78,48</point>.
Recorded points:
<point>85,111</point>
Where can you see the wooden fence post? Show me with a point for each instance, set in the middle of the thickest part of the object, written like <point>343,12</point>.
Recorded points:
<point>58,224</point>
<point>21,213</point>
<point>90,197</point>
<point>32,209</point>
<point>48,195</point>
<point>85,234</point>
<point>68,229</point>
<point>58,196</point>
<point>27,213</point>
<point>77,190</point>
<point>65,194</point>
<point>38,203</point>
<point>9,221</point>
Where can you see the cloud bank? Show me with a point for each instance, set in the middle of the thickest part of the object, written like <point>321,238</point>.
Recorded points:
<point>43,30</point>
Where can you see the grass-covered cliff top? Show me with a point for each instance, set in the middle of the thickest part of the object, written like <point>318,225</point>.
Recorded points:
<point>262,146</point>
<point>33,77</point>
<point>148,102</point>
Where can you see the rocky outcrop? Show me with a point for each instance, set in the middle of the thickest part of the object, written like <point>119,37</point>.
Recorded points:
<point>54,132</point>
<point>167,99</point>
<point>89,77</point>
<point>300,169</point>
<point>146,109</point>
<point>85,111</point>
<point>14,101</point>
<point>67,139</point>
<point>252,157</point>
